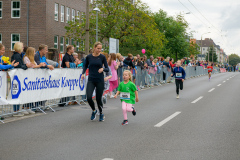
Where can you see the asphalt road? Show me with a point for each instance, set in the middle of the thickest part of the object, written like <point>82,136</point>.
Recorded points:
<point>204,124</point>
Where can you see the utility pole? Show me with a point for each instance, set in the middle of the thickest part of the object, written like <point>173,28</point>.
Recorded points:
<point>87,28</point>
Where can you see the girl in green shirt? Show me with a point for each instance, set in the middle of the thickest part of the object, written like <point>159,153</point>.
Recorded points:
<point>128,93</point>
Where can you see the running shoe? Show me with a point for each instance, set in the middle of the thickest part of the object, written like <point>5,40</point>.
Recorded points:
<point>177,96</point>
<point>93,115</point>
<point>125,122</point>
<point>98,113</point>
<point>134,111</point>
<point>111,96</point>
<point>101,118</point>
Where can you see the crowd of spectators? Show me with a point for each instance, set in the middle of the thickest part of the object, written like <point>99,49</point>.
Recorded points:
<point>28,57</point>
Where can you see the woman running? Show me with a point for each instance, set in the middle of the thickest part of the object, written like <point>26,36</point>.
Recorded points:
<point>95,62</point>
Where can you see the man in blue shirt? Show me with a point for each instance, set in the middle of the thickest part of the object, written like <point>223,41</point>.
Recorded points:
<point>40,56</point>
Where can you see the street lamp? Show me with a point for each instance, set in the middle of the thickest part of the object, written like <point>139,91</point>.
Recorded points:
<point>97,10</point>
<point>201,44</point>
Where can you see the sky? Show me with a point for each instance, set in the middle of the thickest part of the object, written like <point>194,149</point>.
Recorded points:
<point>219,17</point>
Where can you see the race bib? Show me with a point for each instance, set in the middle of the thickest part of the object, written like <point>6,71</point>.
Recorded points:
<point>125,95</point>
<point>178,75</point>
<point>209,69</point>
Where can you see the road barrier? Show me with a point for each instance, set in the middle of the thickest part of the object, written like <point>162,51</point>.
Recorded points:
<point>40,89</point>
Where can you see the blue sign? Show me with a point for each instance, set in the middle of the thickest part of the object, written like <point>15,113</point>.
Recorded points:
<point>16,87</point>
<point>81,81</point>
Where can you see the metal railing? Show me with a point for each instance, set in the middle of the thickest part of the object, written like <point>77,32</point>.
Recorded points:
<point>144,78</point>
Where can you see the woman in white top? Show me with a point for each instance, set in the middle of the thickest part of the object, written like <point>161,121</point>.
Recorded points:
<point>28,59</point>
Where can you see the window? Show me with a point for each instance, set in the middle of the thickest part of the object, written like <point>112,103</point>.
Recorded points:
<point>0,9</point>
<point>0,38</point>
<point>67,42</point>
<point>78,15</point>
<point>62,13</point>
<point>72,42</point>
<point>56,12</point>
<point>15,9</point>
<point>14,38</point>
<point>62,44</point>
<point>77,48</point>
<point>68,15</point>
<point>73,15</point>
<point>56,42</point>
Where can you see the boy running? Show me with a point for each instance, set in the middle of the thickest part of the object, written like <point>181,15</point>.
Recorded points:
<point>179,74</point>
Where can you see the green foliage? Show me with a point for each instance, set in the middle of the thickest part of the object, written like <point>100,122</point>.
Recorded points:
<point>212,51</point>
<point>133,25</point>
<point>194,49</point>
<point>234,59</point>
<point>177,42</point>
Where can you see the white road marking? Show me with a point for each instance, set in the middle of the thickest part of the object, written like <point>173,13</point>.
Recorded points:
<point>224,81</point>
<point>219,85</point>
<point>167,119</point>
<point>197,99</point>
<point>211,90</point>
<point>107,159</point>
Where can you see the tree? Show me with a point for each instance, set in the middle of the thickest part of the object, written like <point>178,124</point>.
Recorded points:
<point>234,59</point>
<point>131,24</point>
<point>211,51</point>
<point>174,29</point>
<point>194,49</point>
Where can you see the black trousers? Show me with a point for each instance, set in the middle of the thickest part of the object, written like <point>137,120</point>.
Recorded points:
<point>164,76</point>
<point>179,84</point>
<point>99,92</point>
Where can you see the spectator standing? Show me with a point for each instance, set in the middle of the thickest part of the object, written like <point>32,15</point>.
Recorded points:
<point>2,51</point>
<point>120,69</point>
<point>18,48</point>
<point>149,61</point>
<point>76,60</point>
<point>113,66</point>
<point>128,61</point>
<point>28,59</point>
<point>68,59</point>
<point>2,66</point>
<point>40,56</point>
<point>24,51</point>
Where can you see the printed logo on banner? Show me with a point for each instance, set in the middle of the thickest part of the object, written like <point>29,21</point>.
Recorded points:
<point>81,83</point>
<point>16,87</point>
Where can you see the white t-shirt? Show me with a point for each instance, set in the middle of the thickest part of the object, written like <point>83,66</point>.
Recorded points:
<point>26,60</point>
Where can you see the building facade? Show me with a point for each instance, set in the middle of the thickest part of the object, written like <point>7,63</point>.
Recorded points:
<point>204,47</point>
<point>35,22</point>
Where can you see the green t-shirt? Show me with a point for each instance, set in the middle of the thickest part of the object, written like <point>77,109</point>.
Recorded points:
<point>130,87</point>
